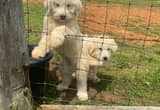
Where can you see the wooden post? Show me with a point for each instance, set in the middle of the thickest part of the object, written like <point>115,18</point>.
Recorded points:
<point>14,84</point>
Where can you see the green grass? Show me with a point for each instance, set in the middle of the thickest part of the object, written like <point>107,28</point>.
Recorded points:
<point>137,73</point>
<point>133,72</point>
<point>147,3</point>
<point>156,3</point>
<point>33,21</point>
<point>139,26</point>
<point>133,75</point>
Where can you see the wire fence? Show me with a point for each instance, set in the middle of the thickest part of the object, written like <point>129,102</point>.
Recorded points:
<point>132,77</point>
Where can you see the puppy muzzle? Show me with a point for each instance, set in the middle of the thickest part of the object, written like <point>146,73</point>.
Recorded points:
<point>105,58</point>
<point>62,17</point>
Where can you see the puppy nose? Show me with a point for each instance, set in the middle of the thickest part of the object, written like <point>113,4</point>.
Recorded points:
<point>105,58</point>
<point>62,17</point>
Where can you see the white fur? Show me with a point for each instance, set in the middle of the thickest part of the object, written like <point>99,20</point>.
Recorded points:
<point>53,36</point>
<point>93,53</point>
<point>76,57</point>
<point>53,24</point>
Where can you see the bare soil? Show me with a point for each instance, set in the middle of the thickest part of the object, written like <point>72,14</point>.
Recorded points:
<point>99,19</point>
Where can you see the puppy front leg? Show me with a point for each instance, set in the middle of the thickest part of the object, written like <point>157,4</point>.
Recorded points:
<point>93,70</point>
<point>48,42</point>
<point>42,48</point>
<point>57,37</point>
<point>82,85</point>
<point>66,80</point>
<point>66,75</point>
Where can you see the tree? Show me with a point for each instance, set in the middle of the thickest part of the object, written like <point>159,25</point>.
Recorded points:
<point>14,84</point>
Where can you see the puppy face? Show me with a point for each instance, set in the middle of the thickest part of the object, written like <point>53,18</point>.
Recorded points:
<point>63,10</point>
<point>101,55</point>
<point>104,53</point>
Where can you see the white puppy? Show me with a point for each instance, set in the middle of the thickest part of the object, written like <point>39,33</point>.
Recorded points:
<point>60,14</point>
<point>95,52</point>
<point>60,20</point>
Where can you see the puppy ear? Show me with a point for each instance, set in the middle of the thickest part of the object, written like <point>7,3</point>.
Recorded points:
<point>95,53</point>
<point>114,48</point>
<point>78,7</point>
<point>112,45</point>
<point>47,4</point>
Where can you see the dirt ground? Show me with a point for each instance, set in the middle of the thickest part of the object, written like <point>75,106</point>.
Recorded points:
<point>97,19</point>
<point>115,17</point>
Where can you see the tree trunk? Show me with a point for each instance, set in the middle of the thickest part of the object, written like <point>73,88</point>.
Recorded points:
<point>14,84</point>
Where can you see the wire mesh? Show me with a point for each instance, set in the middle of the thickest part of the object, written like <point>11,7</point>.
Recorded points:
<point>133,75</point>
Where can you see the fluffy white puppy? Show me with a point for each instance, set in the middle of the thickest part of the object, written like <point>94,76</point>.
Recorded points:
<point>60,19</point>
<point>60,14</point>
<point>95,52</point>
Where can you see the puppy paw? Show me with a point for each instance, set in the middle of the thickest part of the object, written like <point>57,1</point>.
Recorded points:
<point>37,53</point>
<point>62,87</point>
<point>83,96</point>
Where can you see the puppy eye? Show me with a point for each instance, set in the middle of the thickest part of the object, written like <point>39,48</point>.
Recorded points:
<point>56,5</point>
<point>108,49</point>
<point>100,49</point>
<point>68,5</point>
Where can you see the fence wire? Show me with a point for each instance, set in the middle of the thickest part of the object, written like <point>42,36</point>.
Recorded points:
<point>132,77</point>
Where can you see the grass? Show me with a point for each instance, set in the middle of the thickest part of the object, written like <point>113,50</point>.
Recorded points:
<point>139,26</point>
<point>33,21</point>
<point>146,3</point>
<point>134,80</point>
<point>131,78</point>
<point>137,73</point>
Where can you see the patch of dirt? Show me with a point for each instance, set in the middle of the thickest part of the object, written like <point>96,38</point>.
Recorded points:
<point>99,19</point>
<point>105,97</point>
